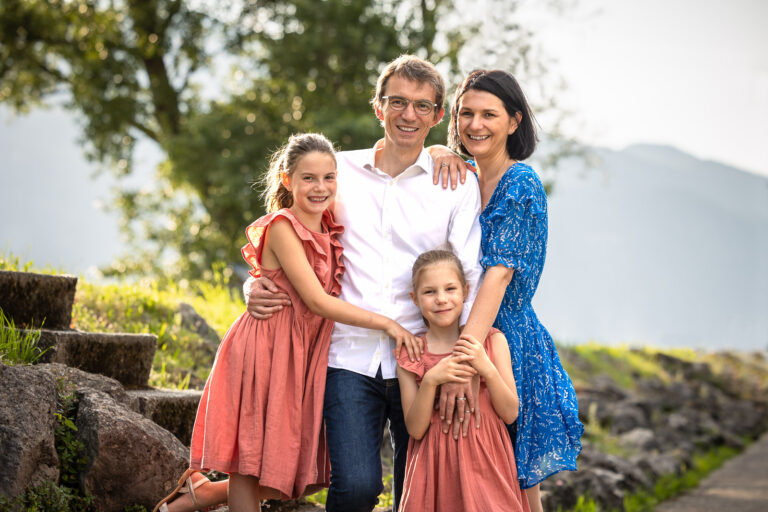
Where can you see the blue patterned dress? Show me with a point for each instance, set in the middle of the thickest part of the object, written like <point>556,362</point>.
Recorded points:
<point>514,226</point>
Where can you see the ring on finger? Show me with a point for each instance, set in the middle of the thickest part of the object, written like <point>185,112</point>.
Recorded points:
<point>461,398</point>
<point>443,165</point>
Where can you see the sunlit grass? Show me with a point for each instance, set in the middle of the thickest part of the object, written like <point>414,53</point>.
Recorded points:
<point>183,358</point>
<point>621,363</point>
<point>18,346</point>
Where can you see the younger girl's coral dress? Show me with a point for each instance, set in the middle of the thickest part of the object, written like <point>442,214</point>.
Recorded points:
<point>262,406</point>
<point>476,473</point>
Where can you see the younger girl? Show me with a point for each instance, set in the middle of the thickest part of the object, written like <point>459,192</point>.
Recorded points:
<point>475,473</point>
<point>260,416</point>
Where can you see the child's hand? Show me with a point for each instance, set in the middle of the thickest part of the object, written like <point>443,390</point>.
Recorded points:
<point>476,356</point>
<point>413,345</point>
<point>450,369</point>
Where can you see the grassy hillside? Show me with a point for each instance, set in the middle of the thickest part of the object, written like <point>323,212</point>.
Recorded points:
<point>184,357</point>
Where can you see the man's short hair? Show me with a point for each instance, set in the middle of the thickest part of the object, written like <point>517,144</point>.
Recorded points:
<point>415,69</point>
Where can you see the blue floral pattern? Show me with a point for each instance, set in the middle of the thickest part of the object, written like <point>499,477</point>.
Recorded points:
<point>548,430</point>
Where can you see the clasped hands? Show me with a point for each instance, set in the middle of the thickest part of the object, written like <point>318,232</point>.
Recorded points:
<point>458,400</point>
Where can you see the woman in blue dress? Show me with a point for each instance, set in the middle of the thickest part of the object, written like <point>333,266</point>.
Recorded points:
<point>492,122</point>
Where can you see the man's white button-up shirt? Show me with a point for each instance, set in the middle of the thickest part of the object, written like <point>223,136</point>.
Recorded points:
<point>387,223</point>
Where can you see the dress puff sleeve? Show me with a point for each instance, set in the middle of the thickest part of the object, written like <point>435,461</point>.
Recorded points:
<point>256,232</point>
<point>514,220</point>
<point>416,367</point>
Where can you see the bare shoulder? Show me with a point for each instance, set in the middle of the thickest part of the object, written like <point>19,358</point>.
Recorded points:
<point>281,233</point>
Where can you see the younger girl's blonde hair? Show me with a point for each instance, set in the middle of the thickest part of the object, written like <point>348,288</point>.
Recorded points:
<point>428,258</point>
<point>283,162</point>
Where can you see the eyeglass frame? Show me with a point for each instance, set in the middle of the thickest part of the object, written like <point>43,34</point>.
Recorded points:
<point>434,106</point>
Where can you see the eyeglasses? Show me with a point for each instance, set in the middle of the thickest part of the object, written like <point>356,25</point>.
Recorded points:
<point>421,107</point>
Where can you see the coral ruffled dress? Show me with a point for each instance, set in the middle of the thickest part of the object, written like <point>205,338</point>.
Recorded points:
<point>476,473</point>
<point>262,406</point>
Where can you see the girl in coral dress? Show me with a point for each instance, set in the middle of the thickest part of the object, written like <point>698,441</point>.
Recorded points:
<point>260,416</point>
<point>476,472</point>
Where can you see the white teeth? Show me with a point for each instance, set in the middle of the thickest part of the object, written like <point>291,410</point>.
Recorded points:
<point>407,129</point>
<point>477,137</point>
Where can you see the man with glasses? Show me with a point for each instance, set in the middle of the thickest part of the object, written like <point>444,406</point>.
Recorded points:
<point>391,213</point>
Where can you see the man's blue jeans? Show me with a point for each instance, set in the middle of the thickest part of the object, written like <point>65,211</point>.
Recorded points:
<point>356,410</point>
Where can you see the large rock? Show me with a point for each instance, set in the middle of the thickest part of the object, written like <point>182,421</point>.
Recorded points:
<point>131,459</point>
<point>626,416</point>
<point>27,424</point>
<point>31,299</point>
<point>742,417</point>
<point>655,465</point>
<point>81,381</point>
<point>124,357</point>
<point>191,319</point>
<point>175,411</point>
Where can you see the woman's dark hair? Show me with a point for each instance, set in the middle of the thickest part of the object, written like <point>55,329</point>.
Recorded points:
<point>520,145</point>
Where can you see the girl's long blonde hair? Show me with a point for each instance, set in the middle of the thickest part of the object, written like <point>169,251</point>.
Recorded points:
<point>283,162</point>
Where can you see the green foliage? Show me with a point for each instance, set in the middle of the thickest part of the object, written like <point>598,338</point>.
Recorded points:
<point>18,346</point>
<point>183,359</point>
<point>48,497</point>
<point>71,451</point>
<point>135,508</point>
<point>387,498</point>
<point>621,363</point>
<point>143,71</point>
<point>13,263</point>
<point>583,504</point>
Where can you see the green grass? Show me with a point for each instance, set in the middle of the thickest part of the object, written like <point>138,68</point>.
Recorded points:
<point>13,263</point>
<point>183,359</point>
<point>621,363</point>
<point>18,346</point>
<point>669,486</point>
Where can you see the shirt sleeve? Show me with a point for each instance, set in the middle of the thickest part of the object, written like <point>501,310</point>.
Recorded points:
<point>518,215</point>
<point>465,236</point>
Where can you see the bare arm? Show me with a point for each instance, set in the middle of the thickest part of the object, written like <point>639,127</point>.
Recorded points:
<point>285,244</point>
<point>449,167</point>
<point>263,298</point>
<point>465,238</point>
<point>418,401</point>
<point>487,302</point>
<point>497,373</point>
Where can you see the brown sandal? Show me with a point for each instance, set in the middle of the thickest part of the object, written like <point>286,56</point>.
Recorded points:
<point>184,486</point>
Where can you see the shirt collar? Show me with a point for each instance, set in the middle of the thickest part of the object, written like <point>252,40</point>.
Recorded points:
<point>423,163</point>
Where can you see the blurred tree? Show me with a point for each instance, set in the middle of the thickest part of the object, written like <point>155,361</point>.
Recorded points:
<point>151,69</point>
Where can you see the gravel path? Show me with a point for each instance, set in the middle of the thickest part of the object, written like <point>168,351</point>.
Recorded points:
<point>739,485</point>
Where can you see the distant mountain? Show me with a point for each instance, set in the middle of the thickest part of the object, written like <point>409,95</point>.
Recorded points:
<point>650,245</point>
<point>654,246</point>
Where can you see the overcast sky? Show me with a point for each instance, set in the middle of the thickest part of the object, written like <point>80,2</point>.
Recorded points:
<point>687,73</point>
